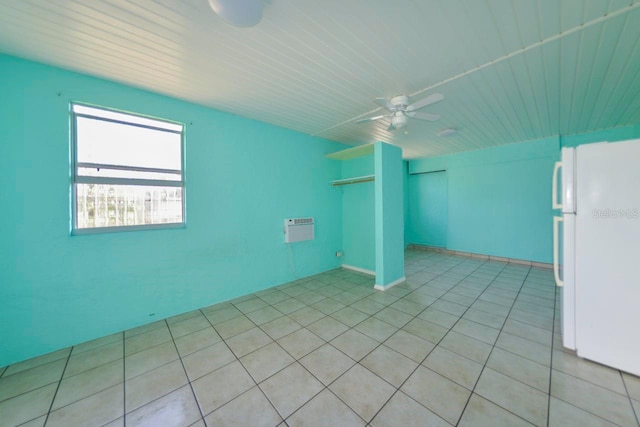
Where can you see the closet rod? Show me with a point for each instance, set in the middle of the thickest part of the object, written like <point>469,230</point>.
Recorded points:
<point>357,180</point>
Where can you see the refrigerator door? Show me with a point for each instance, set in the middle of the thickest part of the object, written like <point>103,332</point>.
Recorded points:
<point>607,240</point>
<point>568,291</point>
<point>568,181</point>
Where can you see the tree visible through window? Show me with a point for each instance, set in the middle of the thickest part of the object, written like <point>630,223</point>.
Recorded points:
<point>127,170</point>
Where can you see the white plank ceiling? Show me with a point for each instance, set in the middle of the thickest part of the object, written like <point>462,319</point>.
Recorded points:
<point>510,70</point>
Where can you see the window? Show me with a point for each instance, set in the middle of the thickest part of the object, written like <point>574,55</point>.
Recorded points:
<point>128,171</point>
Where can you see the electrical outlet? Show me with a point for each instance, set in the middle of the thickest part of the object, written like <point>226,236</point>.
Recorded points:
<point>339,254</point>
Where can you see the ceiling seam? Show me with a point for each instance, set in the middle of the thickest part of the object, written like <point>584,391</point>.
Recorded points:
<point>558,36</point>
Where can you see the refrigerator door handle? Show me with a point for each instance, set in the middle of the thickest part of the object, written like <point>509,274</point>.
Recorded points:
<point>556,260</point>
<point>554,187</point>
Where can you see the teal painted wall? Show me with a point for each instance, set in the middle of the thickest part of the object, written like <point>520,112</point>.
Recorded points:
<point>358,219</point>
<point>243,178</point>
<point>499,199</point>
<point>389,213</point>
<point>428,216</point>
<point>611,135</point>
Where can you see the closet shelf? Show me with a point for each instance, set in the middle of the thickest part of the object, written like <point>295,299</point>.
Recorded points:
<point>352,153</point>
<point>354,180</point>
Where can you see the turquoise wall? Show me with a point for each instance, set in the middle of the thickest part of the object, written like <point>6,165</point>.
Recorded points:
<point>243,179</point>
<point>499,199</point>
<point>389,214</point>
<point>611,135</point>
<point>428,216</point>
<point>358,219</point>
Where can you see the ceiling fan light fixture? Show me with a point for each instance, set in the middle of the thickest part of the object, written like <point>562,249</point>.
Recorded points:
<point>239,13</point>
<point>398,120</point>
<point>447,132</point>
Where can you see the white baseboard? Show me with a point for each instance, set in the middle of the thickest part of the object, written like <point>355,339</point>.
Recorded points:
<point>390,285</point>
<point>359,270</point>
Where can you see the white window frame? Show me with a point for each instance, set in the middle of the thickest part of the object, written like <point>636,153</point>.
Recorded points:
<point>79,179</point>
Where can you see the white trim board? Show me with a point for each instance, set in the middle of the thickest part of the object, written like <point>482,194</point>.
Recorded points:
<point>359,270</point>
<point>390,285</point>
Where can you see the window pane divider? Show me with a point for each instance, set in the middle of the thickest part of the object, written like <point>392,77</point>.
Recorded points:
<point>122,122</point>
<point>126,168</point>
<point>127,181</point>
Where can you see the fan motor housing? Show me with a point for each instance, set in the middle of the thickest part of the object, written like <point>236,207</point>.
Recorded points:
<point>400,101</point>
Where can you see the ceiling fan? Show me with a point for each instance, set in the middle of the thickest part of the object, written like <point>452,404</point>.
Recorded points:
<point>400,110</point>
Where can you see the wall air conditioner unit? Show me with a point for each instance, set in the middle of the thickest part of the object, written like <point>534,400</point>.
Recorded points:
<point>298,229</point>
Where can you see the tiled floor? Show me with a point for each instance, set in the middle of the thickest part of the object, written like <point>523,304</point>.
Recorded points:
<point>463,342</point>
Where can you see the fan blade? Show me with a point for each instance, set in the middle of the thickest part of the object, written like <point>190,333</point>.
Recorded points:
<point>431,99</point>
<point>424,116</point>
<point>384,103</point>
<point>368,119</point>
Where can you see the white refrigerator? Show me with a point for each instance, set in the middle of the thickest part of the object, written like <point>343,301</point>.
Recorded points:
<point>598,265</point>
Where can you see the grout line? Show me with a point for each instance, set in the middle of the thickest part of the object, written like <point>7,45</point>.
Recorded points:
<point>58,387</point>
<point>193,393</point>
<point>553,332</point>
<point>633,408</point>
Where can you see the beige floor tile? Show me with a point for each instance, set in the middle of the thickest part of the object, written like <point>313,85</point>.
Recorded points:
<point>562,414</point>
<point>454,367</point>
<point>441,395</point>
<point>30,379</point>
<point>438,317</point>
<point>221,386</point>
<point>409,307</point>
<point>248,341</point>
<point>88,383</point>
<point>592,398</point>
<point>327,363</point>
<point>310,298</point>
<point>523,347</point>
<point>349,316</point>
<point>633,385</point>
<point>410,345</point>
<point>325,410</point>
<point>154,384</point>
<point>393,317</point>
<point>176,409</point>
<point>218,315</point>
<point>197,341</point>
<point>207,360</point>
<point>328,306</point>
<point>232,327</point>
<point>423,329</point>
<point>491,308</point>
<point>266,361</point>
<point>280,327</point>
<point>93,344</point>
<point>300,343</point>
<point>290,388</point>
<point>354,344</point>
<point>274,297</point>
<point>327,328</point>
<point>306,316</point>
<point>449,307</point>
<point>492,320</point>
<point>184,316</point>
<point>466,346</point>
<point>589,371</point>
<point>516,397</point>
<point>146,340</point>
<point>362,391</point>
<point>346,297</point>
<point>401,410</point>
<point>288,306</point>
<point>389,365</point>
<point>250,305</point>
<point>37,422</point>
<point>93,358</point>
<point>36,361</point>
<point>151,358</point>
<point>249,409</point>
<point>367,306</point>
<point>188,326</point>
<point>376,329</point>
<point>98,409</point>
<point>532,333</point>
<point>264,315</point>
<point>482,413</point>
<point>145,328</point>
<point>27,406</point>
<point>476,330</point>
<point>519,368</point>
